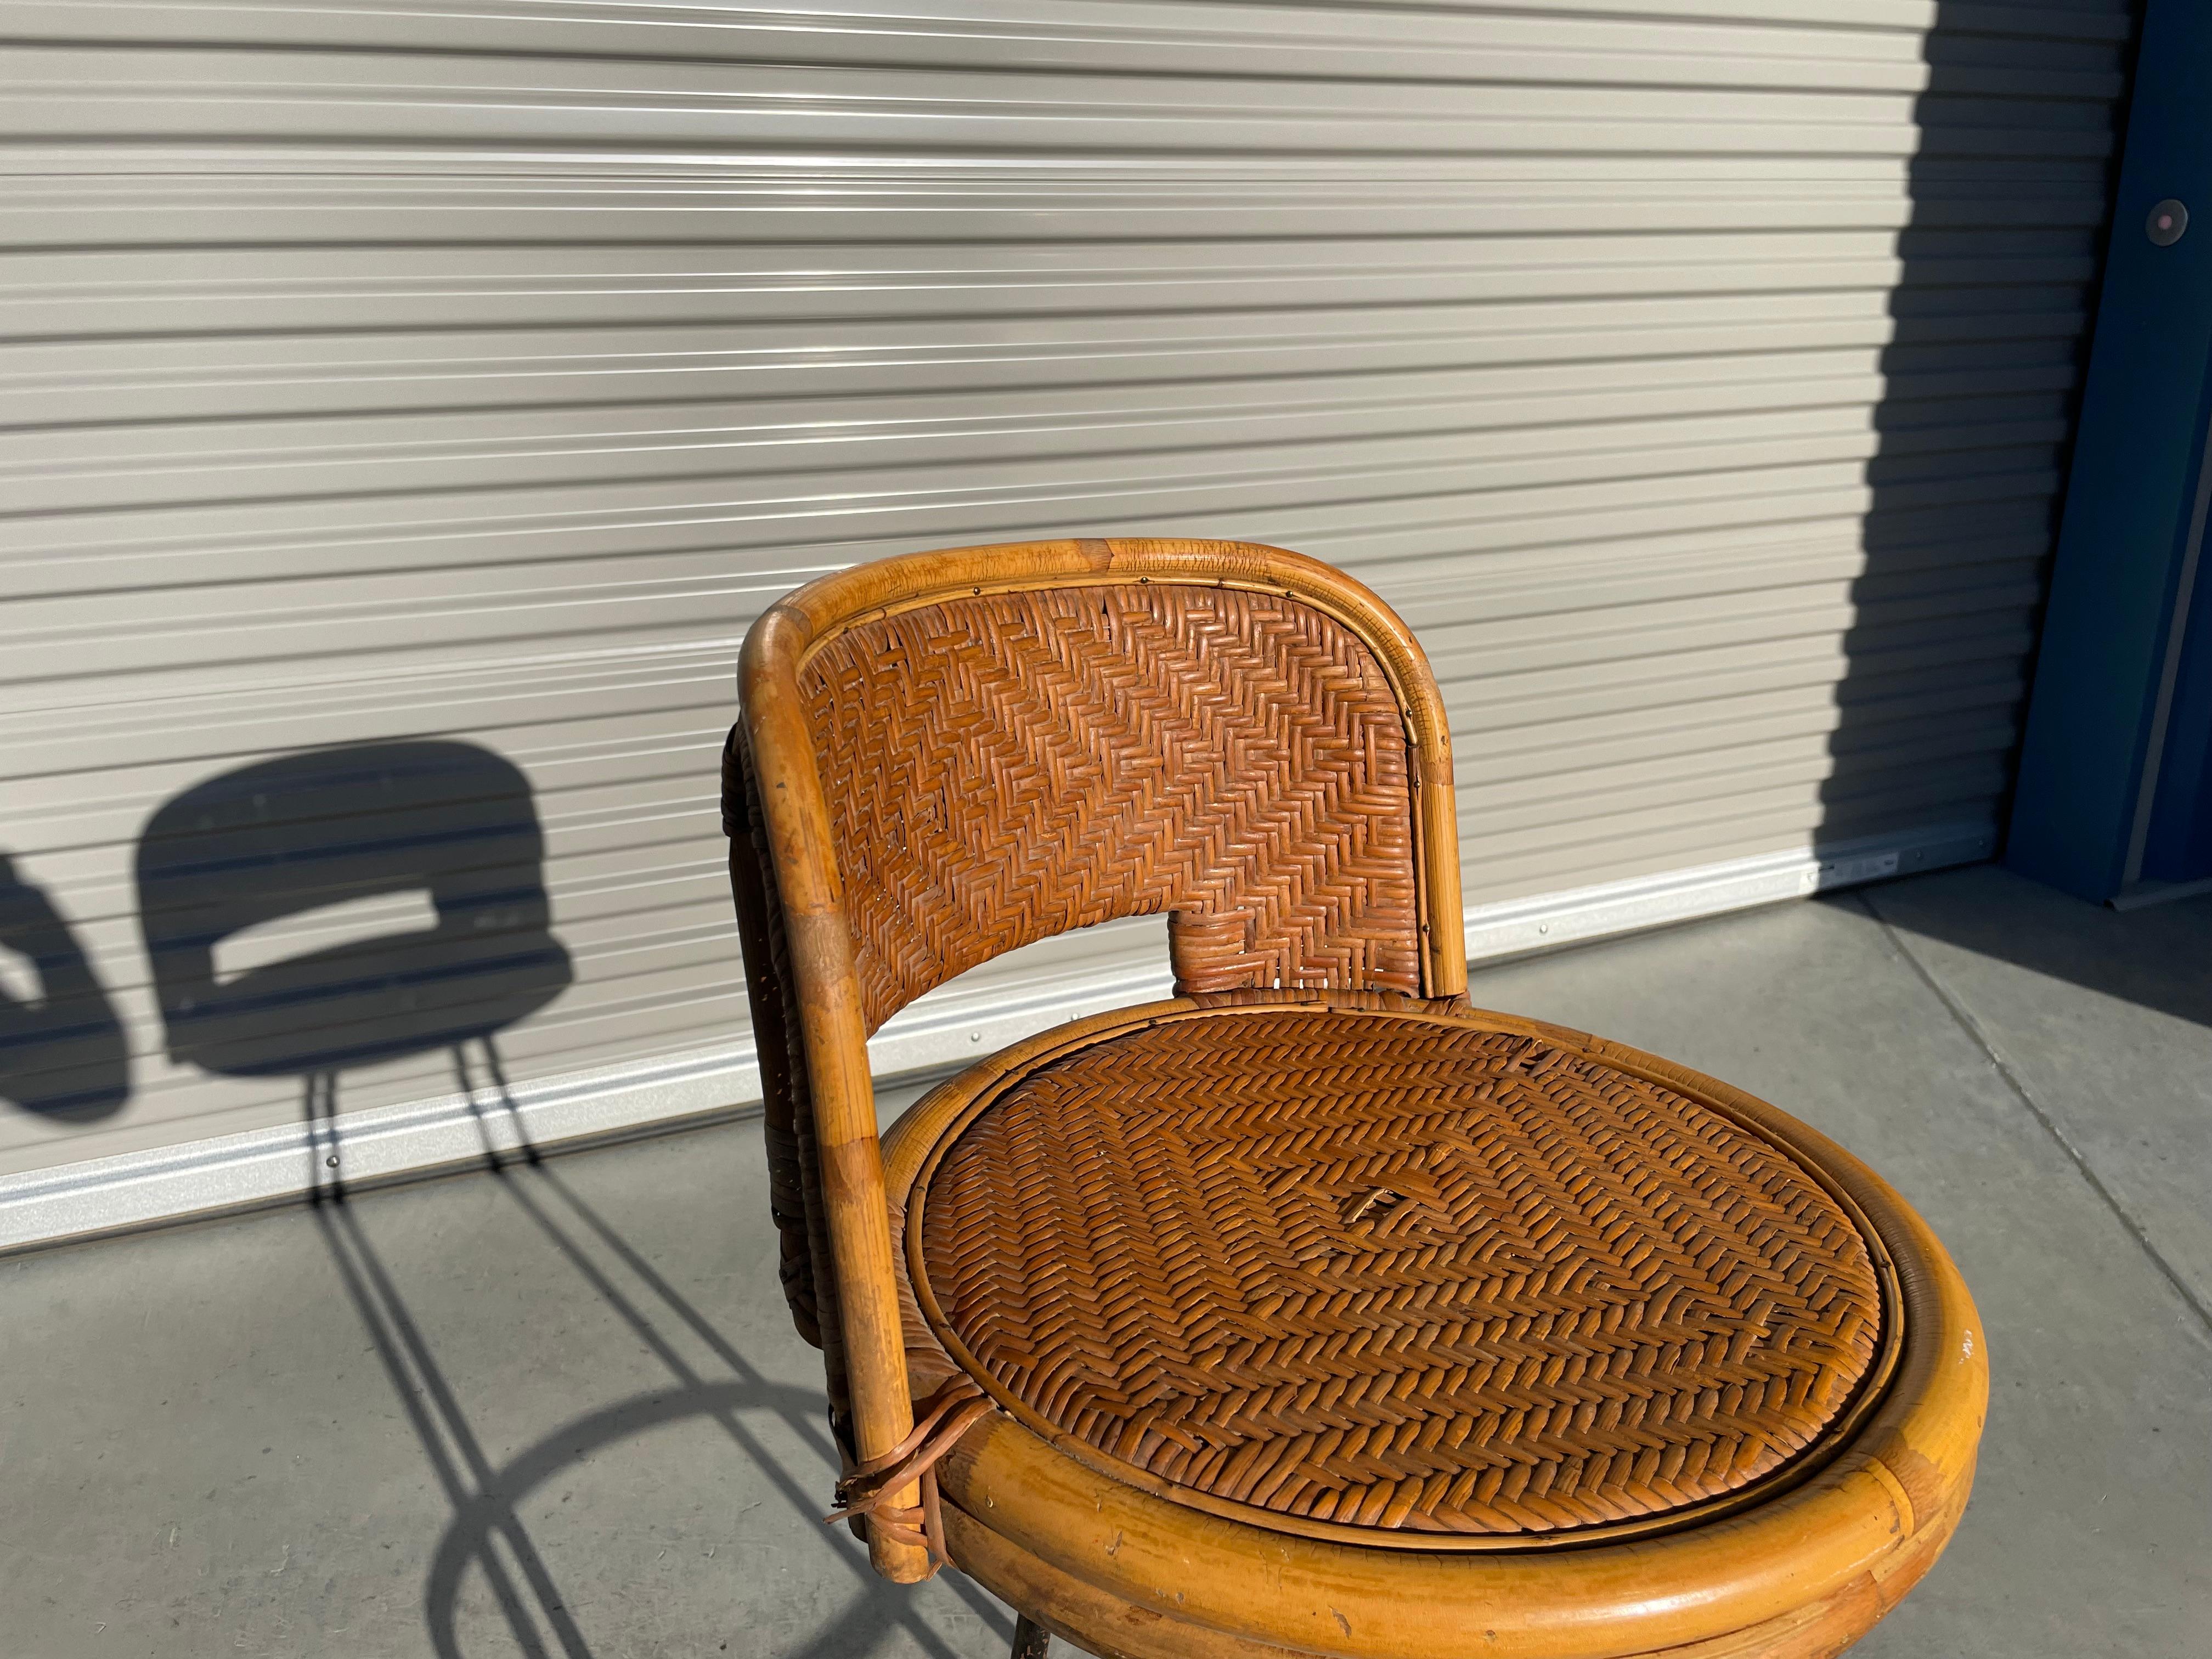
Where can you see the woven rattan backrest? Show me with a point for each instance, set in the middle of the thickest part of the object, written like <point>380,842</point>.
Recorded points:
<point>945,757</point>
<point>1045,748</point>
<point>1005,767</point>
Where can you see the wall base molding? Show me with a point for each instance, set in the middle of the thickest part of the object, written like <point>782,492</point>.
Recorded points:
<point>381,1144</point>
<point>1548,920</point>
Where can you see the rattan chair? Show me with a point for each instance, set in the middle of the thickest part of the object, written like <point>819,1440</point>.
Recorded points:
<point>1312,1311</point>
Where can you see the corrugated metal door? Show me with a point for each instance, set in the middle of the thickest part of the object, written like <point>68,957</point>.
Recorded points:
<point>408,407</point>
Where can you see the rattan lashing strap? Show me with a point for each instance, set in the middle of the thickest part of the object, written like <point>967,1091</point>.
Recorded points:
<point>939,1421</point>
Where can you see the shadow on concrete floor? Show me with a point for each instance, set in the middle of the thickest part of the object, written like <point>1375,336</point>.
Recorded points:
<point>559,1409</point>
<point>2159,957</point>
<point>486,1532</point>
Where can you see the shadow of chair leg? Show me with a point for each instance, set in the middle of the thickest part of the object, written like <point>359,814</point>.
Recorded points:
<point>496,1158</point>
<point>856,1629</point>
<point>800,1411</point>
<point>456,1457</point>
<point>494,1161</point>
<point>486,1528</point>
<point>497,1070</point>
<point>320,1111</point>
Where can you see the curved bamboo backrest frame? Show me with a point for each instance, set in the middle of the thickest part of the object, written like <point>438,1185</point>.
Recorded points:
<point>799,931</point>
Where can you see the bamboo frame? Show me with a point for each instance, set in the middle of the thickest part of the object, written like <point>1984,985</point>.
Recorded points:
<point>810,886</point>
<point>1793,1568</point>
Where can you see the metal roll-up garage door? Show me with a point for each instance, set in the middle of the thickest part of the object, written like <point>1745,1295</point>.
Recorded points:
<point>408,407</point>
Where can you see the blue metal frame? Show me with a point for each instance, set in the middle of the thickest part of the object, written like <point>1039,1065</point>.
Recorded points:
<point>2178,838</point>
<point>2080,811</point>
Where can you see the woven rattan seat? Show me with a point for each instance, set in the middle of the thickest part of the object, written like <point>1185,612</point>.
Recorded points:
<point>1311,1311</point>
<point>1390,1271</point>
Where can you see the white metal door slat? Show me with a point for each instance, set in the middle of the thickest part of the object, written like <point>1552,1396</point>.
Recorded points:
<point>1277,479</point>
<point>109,293</point>
<point>1288,41</point>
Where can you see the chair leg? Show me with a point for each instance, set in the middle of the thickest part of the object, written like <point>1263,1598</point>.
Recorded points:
<point>1032,1639</point>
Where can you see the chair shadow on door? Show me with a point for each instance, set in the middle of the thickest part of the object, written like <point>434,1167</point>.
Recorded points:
<point>62,1052</point>
<point>254,888</point>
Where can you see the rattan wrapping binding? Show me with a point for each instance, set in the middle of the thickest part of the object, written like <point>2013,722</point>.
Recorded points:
<point>1397,1274</point>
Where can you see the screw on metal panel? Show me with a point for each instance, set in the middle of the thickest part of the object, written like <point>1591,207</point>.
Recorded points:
<point>2166,222</point>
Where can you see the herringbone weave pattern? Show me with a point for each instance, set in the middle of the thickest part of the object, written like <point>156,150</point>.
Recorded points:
<point>1393,1272</point>
<point>1002,767</point>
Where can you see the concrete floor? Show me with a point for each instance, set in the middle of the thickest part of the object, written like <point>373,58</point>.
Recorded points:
<point>561,1411</point>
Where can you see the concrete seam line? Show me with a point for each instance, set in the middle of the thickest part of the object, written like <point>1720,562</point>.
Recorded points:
<point>1972,1027</point>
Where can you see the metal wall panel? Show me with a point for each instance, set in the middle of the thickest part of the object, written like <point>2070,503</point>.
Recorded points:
<point>1692,375</point>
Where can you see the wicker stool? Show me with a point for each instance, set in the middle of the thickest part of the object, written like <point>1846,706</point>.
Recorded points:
<point>1312,1311</point>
